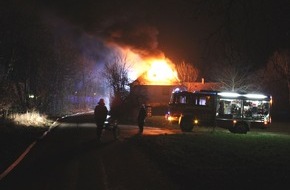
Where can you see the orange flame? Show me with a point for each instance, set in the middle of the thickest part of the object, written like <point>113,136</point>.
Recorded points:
<point>161,72</point>
<point>154,70</point>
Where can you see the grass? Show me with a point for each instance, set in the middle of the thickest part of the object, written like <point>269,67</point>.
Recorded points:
<point>221,159</point>
<point>17,133</point>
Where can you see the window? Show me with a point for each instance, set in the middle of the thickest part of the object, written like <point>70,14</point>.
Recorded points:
<point>182,100</point>
<point>203,101</point>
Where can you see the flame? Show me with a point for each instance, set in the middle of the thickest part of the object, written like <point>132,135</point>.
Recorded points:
<point>156,70</point>
<point>161,72</point>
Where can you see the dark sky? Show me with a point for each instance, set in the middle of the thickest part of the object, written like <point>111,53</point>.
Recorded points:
<point>195,31</point>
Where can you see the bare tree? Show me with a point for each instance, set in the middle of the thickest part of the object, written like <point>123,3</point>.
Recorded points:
<point>116,75</point>
<point>24,49</point>
<point>237,26</point>
<point>88,84</point>
<point>280,62</point>
<point>187,72</point>
<point>236,79</point>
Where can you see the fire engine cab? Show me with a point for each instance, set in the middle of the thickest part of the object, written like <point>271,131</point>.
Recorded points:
<point>236,111</point>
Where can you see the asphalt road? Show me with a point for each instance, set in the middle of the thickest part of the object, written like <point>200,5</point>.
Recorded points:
<point>69,157</point>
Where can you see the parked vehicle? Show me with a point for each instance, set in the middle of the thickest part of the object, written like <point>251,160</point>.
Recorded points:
<point>236,111</point>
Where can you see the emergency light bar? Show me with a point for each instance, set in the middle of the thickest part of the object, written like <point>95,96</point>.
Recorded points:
<point>234,95</point>
<point>229,94</point>
<point>258,96</point>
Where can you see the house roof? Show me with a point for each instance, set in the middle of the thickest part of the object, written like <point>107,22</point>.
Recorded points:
<point>191,86</point>
<point>143,80</point>
<point>197,86</point>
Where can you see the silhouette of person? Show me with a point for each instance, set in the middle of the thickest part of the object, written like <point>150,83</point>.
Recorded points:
<point>141,118</point>
<point>100,114</point>
<point>221,110</point>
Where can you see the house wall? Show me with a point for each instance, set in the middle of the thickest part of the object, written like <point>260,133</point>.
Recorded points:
<point>156,96</point>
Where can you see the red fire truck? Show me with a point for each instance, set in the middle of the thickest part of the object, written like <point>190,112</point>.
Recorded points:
<point>236,111</point>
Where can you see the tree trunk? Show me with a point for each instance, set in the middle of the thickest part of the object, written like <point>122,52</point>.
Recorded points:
<point>288,83</point>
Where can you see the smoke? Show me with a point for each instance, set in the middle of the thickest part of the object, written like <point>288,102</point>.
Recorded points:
<point>101,36</point>
<point>137,41</point>
<point>111,21</point>
<point>140,38</point>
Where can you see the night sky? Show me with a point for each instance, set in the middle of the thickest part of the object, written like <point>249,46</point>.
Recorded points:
<point>200,32</point>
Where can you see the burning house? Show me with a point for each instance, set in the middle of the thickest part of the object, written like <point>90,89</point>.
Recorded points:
<point>154,76</point>
<point>154,86</point>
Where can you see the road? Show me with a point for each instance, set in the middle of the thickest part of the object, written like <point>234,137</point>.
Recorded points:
<point>70,158</point>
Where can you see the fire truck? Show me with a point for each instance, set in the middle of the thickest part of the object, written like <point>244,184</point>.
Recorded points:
<point>236,111</point>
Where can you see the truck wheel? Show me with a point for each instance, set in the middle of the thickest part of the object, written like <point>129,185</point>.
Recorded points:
<point>186,124</point>
<point>240,127</point>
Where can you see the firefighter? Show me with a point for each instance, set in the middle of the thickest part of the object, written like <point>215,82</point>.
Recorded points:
<point>100,114</point>
<point>141,118</point>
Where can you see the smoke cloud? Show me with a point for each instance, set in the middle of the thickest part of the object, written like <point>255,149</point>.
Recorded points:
<point>112,22</point>
<point>140,38</point>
